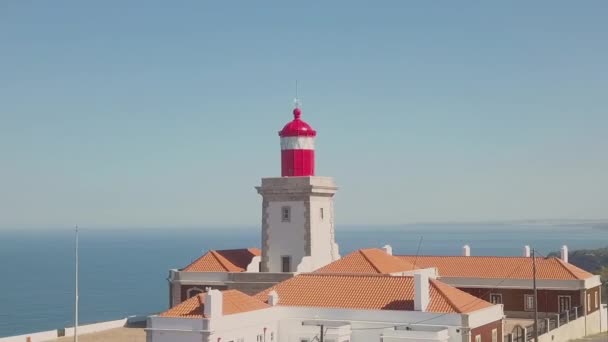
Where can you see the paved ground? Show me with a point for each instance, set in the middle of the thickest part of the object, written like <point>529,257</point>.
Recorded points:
<point>113,335</point>
<point>595,338</point>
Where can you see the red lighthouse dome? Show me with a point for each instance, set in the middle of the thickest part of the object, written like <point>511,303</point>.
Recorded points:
<point>297,127</point>
<point>297,147</point>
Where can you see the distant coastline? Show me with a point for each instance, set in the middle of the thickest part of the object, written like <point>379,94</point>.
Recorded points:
<point>602,226</point>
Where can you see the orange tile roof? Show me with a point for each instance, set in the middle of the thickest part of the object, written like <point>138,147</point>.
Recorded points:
<point>498,267</point>
<point>227,260</point>
<point>369,292</point>
<point>233,302</point>
<point>370,260</point>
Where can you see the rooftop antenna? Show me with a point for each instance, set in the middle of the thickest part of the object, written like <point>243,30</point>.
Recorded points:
<point>418,251</point>
<point>295,100</point>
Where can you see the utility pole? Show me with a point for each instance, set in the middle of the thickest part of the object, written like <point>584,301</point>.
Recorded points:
<point>535,295</point>
<point>76,291</point>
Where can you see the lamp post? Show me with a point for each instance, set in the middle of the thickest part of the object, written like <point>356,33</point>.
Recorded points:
<point>535,295</point>
<point>76,286</point>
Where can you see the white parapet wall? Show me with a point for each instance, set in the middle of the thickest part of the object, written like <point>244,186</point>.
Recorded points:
<point>33,337</point>
<point>581,327</point>
<point>96,327</point>
<point>82,329</point>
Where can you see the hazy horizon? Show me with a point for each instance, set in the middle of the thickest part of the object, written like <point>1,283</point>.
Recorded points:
<point>345,227</point>
<point>157,115</point>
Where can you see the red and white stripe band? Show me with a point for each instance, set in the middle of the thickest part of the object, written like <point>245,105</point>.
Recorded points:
<point>297,143</point>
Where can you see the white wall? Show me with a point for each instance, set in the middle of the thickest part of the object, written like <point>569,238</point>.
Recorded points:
<point>286,238</point>
<point>594,319</point>
<point>175,336</point>
<point>286,323</point>
<point>576,329</point>
<point>232,327</point>
<point>35,337</point>
<point>392,335</point>
<point>82,329</point>
<point>322,241</point>
<point>484,316</point>
<point>254,265</point>
<point>91,328</point>
<point>165,329</point>
<point>250,325</point>
<point>366,325</point>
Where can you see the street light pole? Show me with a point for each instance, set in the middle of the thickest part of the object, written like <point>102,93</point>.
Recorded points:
<point>535,295</point>
<point>76,288</point>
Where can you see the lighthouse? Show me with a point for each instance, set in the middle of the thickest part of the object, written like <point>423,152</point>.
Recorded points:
<point>298,232</point>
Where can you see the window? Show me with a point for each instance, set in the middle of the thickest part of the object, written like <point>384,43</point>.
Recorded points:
<point>528,302</point>
<point>563,303</point>
<point>477,338</point>
<point>286,214</point>
<point>588,301</point>
<point>271,336</point>
<point>494,335</point>
<point>495,298</point>
<point>322,214</point>
<point>597,299</point>
<point>304,340</point>
<point>285,264</point>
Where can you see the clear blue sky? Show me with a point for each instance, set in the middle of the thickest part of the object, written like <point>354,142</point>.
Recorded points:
<point>150,113</point>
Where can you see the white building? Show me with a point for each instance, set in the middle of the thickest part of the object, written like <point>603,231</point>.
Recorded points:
<point>270,295</point>
<point>354,308</point>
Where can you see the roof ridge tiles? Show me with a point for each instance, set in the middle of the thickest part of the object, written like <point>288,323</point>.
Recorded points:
<point>223,261</point>
<point>444,295</point>
<point>361,251</point>
<point>566,266</point>
<point>447,298</point>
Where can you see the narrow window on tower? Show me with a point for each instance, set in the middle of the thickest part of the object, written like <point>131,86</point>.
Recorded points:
<point>285,264</point>
<point>286,214</point>
<point>322,214</point>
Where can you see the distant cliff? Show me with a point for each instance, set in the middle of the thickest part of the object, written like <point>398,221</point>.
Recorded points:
<point>591,260</point>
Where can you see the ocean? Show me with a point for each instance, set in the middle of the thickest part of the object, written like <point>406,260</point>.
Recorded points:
<point>124,271</point>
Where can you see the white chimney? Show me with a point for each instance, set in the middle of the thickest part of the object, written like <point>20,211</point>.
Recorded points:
<point>564,251</point>
<point>421,291</point>
<point>214,304</point>
<point>388,249</point>
<point>466,250</point>
<point>527,251</point>
<point>273,298</point>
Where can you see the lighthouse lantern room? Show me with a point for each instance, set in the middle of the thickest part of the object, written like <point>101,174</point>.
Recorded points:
<point>297,147</point>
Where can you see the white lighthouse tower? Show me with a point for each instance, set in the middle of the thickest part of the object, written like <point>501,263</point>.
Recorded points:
<point>297,208</point>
